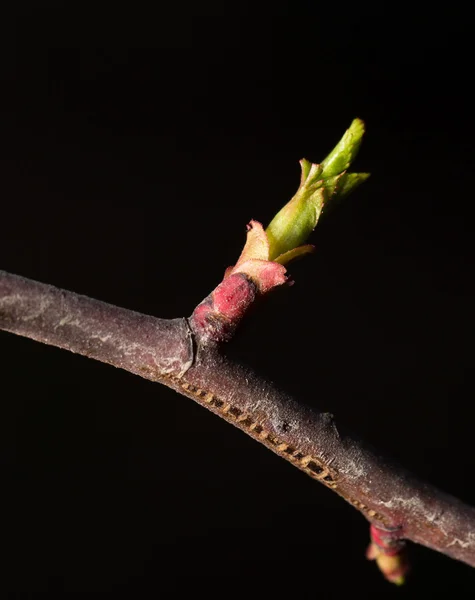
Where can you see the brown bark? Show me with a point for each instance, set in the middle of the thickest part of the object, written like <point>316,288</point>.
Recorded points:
<point>172,352</point>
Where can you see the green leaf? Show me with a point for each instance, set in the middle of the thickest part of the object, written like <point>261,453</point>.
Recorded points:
<point>291,255</point>
<point>349,182</point>
<point>344,153</point>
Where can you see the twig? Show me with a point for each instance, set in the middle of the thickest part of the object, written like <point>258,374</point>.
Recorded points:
<point>183,355</point>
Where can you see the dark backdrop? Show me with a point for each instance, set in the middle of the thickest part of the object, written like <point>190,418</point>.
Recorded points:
<point>135,144</point>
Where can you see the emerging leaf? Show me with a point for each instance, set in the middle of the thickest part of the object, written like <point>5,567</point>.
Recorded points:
<point>329,180</point>
<point>266,252</point>
<point>344,153</point>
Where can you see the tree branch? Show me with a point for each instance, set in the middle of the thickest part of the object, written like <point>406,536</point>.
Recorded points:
<point>183,355</point>
<point>117,336</point>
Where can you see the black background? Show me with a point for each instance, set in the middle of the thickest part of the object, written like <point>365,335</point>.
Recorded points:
<point>135,144</point>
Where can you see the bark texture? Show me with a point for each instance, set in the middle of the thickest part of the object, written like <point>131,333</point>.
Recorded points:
<point>182,354</point>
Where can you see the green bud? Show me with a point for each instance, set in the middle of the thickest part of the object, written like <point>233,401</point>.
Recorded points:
<point>329,180</point>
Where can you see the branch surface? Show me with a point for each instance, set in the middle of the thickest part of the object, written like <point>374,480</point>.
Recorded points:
<point>182,354</point>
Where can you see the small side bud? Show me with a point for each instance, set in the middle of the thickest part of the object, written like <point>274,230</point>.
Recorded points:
<point>388,550</point>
